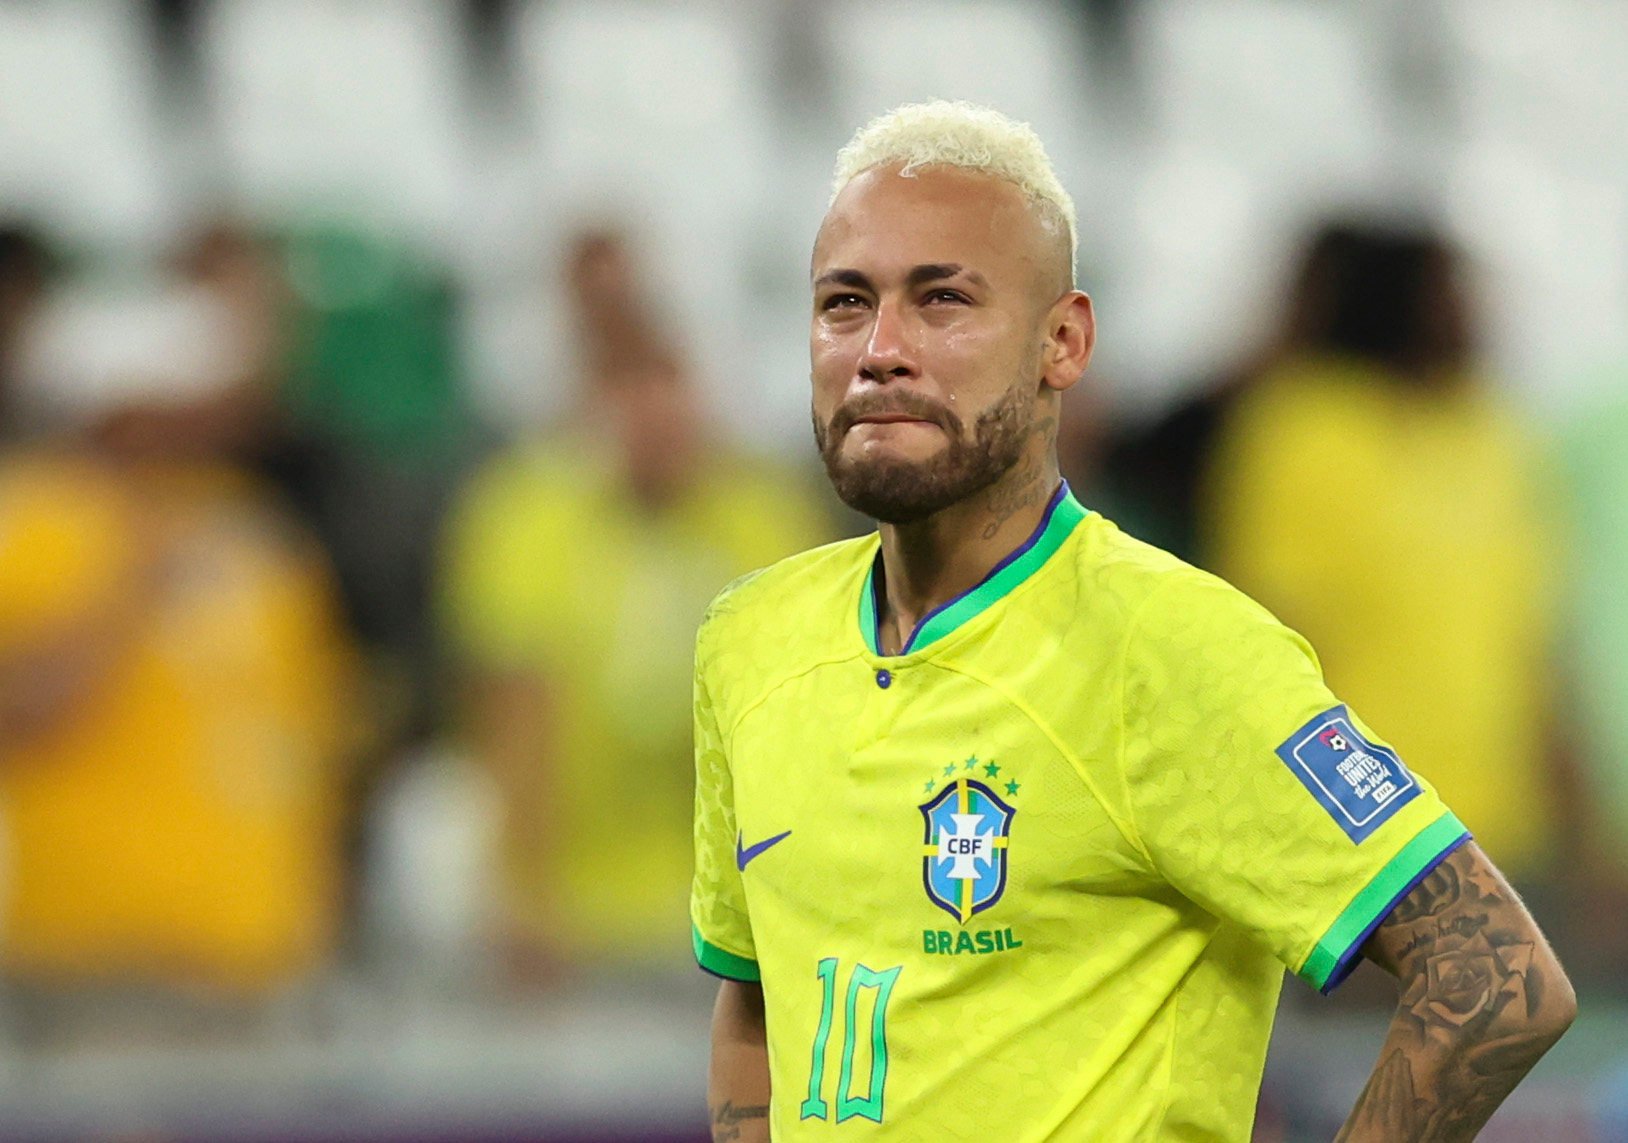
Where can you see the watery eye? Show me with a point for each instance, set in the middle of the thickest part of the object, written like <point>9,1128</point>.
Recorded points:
<point>842,301</point>
<point>946,296</point>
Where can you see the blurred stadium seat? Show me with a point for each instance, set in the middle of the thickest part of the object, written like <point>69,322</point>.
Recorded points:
<point>1024,56</point>
<point>667,98</point>
<point>1285,89</point>
<point>322,106</point>
<point>80,143</point>
<point>1258,115</point>
<point>1534,179</point>
<point>656,116</point>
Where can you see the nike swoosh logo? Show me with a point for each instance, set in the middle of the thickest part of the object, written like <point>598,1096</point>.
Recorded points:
<point>743,854</point>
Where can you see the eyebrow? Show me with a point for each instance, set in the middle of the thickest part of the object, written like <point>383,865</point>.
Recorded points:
<point>938,271</point>
<point>918,276</point>
<point>844,278</point>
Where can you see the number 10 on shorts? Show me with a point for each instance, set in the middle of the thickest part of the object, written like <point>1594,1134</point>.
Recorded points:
<point>879,987</point>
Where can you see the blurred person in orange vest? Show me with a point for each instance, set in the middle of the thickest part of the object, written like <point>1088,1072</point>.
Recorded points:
<point>175,682</point>
<point>576,568</point>
<point>1372,489</point>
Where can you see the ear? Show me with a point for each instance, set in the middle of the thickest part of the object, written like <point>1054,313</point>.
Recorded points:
<point>1071,335</point>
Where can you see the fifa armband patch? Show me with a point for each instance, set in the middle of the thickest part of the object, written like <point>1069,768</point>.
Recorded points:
<point>1359,783</point>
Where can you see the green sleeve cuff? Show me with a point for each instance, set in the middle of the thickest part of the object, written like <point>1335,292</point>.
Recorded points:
<point>719,962</point>
<point>1332,958</point>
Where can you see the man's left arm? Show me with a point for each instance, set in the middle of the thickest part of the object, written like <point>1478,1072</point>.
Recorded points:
<point>1482,998</point>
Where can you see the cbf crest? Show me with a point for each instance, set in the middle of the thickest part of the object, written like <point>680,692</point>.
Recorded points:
<point>964,855</point>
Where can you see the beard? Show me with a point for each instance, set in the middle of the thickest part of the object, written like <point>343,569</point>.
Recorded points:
<point>903,492</point>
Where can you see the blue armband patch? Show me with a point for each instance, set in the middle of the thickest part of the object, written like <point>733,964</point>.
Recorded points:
<point>1359,783</point>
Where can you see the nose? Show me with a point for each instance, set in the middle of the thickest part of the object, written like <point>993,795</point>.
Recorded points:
<point>889,353</point>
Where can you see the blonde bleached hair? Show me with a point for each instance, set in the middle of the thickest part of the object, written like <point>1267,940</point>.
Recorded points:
<point>967,136</point>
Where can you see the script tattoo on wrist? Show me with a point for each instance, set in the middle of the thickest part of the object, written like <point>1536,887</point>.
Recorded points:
<point>1468,1027</point>
<point>727,1120</point>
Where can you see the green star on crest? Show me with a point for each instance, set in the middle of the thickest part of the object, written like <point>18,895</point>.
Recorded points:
<point>1012,789</point>
<point>992,769</point>
<point>972,762</point>
<point>928,788</point>
<point>950,769</point>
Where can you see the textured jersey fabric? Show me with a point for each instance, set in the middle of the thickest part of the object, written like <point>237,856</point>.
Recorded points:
<point>1036,877</point>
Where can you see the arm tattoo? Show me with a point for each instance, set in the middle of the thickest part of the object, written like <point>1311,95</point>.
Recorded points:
<point>727,1120</point>
<point>1482,999</point>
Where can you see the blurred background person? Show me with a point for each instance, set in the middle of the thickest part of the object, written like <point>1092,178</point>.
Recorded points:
<point>372,432</point>
<point>190,370</point>
<point>175,686</point>
<point>1152,478</point>
<point>577,569</point>
<point>1372,490</point>
<point>25,273</point>
<point>1594,452</point>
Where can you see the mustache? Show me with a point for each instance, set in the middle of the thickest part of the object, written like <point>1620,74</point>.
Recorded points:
<point>902,403</point>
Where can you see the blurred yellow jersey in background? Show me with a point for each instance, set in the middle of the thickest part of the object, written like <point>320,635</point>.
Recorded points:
<point>556,571</point>
<point>1404,532</point>
<point>175,817</point>
<point>1038,877</point>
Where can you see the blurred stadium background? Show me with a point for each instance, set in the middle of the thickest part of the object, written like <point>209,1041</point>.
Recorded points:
<point>386,385</point>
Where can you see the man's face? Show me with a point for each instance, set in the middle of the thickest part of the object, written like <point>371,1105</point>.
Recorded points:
<point>931,298</point>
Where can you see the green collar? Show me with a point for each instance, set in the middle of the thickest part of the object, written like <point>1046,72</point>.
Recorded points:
<point>1062,514</point>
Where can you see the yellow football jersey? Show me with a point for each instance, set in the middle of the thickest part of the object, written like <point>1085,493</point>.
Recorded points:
<point>1033,878</point>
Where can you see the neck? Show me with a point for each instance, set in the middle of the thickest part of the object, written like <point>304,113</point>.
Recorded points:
<point>927,563</point>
